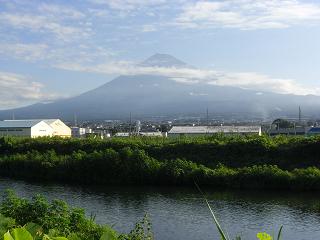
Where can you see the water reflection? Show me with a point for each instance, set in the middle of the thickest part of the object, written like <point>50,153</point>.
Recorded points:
<point>180,213</point>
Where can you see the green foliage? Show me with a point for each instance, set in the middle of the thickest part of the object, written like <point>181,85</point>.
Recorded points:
<point>55,215</point>
<point>141,231</point>
<point>43,220</point>
<point>222,161</point>
<point>264,236</point>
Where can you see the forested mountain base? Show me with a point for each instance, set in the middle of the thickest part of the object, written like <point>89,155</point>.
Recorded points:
<point>217,161</point>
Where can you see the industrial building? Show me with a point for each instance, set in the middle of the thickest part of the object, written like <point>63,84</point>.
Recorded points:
<point>59,128</point>
<point>141,134</point>
<point>313,131</point>
<point>79,132</point>
<point>209,130</point>
<point>34,128</point>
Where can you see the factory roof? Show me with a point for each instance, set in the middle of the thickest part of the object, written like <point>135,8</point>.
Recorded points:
<point>214,129</point>
<point>19,123</point>
<point>150,134</point>
<point>26,123</point>
<point>314,130</point>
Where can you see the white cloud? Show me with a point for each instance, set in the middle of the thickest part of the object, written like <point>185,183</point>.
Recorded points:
<point>42,24</point>
<point>36,52</point>
<point>149,28</point>
<point>16,90</point>
<point>62,11</point>
<point>60,21</point>
<point>128,5</point>
<point>26,52</point>
<point>245,80</point>
<point>248,14</point>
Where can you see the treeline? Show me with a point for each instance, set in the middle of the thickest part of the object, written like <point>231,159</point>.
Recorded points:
<point>220,161</point>
<point>233,151</point>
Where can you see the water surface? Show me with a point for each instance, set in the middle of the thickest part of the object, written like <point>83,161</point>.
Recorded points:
<point>180,213</point>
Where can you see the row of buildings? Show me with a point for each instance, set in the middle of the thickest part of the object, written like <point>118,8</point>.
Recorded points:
<point>55,127</point>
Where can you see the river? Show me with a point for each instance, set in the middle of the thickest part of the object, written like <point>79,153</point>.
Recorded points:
<point>180,213</point>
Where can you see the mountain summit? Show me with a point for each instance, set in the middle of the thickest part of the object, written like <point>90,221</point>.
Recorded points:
<point>155,95</point>
<point>163,60</point>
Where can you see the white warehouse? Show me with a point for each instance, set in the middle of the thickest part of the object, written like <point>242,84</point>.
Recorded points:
<point>34,128</point>
<point>209,130</point>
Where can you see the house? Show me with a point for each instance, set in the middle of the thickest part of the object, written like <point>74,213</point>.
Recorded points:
<point>210,130</point>
<point>34,128</point>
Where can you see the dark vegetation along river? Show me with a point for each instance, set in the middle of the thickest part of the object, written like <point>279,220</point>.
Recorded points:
<point>180,213</point>
<point>253,183</point>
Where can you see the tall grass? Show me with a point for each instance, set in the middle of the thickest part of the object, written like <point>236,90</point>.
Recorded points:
<point>223,234</point>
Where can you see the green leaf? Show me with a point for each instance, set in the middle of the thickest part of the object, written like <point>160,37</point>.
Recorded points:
<point>109,234</point>
<point>7,236</point>
<point>264,236</point>
<point>34,229</point>
<point>21,234</point>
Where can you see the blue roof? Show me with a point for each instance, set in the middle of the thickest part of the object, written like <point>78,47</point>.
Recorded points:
<point>314,130</point>
<point>19,123</point>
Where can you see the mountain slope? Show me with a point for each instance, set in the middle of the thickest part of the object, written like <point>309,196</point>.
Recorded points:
<point>148,95</point>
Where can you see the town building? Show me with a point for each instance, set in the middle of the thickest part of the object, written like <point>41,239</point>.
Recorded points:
<point>177,131</point>
<point>79,132</point>
<point>34,128</point>
<point>313,131</point>
<point>288,131</point>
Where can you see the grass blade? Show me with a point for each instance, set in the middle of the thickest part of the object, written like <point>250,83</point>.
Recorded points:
<point>279,233</point>
<point>222,234</point>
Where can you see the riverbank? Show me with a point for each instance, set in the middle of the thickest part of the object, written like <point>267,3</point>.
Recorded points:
<point>239,162</point>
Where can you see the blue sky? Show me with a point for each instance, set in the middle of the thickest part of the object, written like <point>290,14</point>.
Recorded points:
<point>56,49</point>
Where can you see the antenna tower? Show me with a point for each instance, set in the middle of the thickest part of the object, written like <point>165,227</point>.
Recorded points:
<point>75,120</point>
<point>299,114</point>
<point>207,117</point>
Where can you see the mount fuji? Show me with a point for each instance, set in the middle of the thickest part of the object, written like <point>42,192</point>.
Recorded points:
<point>148,95</point>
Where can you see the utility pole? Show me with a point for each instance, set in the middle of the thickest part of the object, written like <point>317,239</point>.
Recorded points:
<point>75,119</point>
<point>130,125</point>
<point>207,117</point>
<point>13,117</point>
<point>299,114</point>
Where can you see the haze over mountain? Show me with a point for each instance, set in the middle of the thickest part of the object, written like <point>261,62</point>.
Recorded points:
<point>154,95</point>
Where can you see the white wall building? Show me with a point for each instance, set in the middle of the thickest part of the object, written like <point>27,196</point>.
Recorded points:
<point>209,130</point>
<point>25,128</point>
<point>59,128</point>
<point>34,128</point>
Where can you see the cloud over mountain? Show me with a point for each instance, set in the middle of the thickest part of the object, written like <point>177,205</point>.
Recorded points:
<point>168,66</point>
